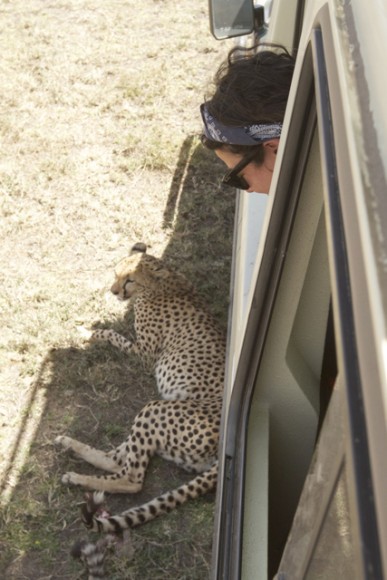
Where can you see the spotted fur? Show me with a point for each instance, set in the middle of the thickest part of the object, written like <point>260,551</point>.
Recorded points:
<point>174,328</point>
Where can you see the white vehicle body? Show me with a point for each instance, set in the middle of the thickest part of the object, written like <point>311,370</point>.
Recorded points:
<point>303,481</point>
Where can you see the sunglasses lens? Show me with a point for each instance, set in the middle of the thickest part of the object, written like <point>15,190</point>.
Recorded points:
<point>233,179</point>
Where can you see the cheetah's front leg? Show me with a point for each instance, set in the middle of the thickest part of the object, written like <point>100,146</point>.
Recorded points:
<point>116,339</point>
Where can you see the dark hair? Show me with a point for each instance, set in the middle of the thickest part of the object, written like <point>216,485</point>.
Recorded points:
<point>251,87</point>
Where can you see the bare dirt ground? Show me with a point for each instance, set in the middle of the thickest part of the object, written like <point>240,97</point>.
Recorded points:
<point>98,134</point>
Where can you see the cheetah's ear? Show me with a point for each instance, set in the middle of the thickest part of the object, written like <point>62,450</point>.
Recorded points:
<point>138,247</point>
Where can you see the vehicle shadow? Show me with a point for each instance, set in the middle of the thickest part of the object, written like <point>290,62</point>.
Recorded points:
<point>201,212</point>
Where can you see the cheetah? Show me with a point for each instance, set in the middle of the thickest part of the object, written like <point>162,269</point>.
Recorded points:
<point>173,327</point>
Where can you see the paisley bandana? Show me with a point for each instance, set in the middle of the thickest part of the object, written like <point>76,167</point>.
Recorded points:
<point>248,135</point>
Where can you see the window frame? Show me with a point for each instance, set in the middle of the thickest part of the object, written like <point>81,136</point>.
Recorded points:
<point>227,554</point>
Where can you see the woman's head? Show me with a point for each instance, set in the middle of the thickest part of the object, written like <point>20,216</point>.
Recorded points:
<point>244,116</point>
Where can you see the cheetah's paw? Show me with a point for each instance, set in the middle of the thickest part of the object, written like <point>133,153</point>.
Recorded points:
<point>85,333</point>
<point>70,478</point>
<point>63,442</point>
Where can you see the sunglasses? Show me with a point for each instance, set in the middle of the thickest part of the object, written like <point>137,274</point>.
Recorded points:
<point>233,179</point>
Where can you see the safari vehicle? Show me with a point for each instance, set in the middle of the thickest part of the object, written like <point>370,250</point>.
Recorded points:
<point>303,476</point>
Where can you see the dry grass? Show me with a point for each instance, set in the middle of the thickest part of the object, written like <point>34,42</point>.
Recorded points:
<point>98,149</point>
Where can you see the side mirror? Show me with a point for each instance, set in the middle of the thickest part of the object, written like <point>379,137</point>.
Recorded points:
<point>230,18</point>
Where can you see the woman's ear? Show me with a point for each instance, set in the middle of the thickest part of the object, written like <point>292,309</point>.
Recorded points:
<point>273,144</point>
<point>270,149</point>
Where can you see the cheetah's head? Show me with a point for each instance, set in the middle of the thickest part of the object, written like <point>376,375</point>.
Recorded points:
<point>137,272</point>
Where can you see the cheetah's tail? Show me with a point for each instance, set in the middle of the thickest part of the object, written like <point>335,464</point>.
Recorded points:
<point>165,503</point>
<point>93,555</point>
